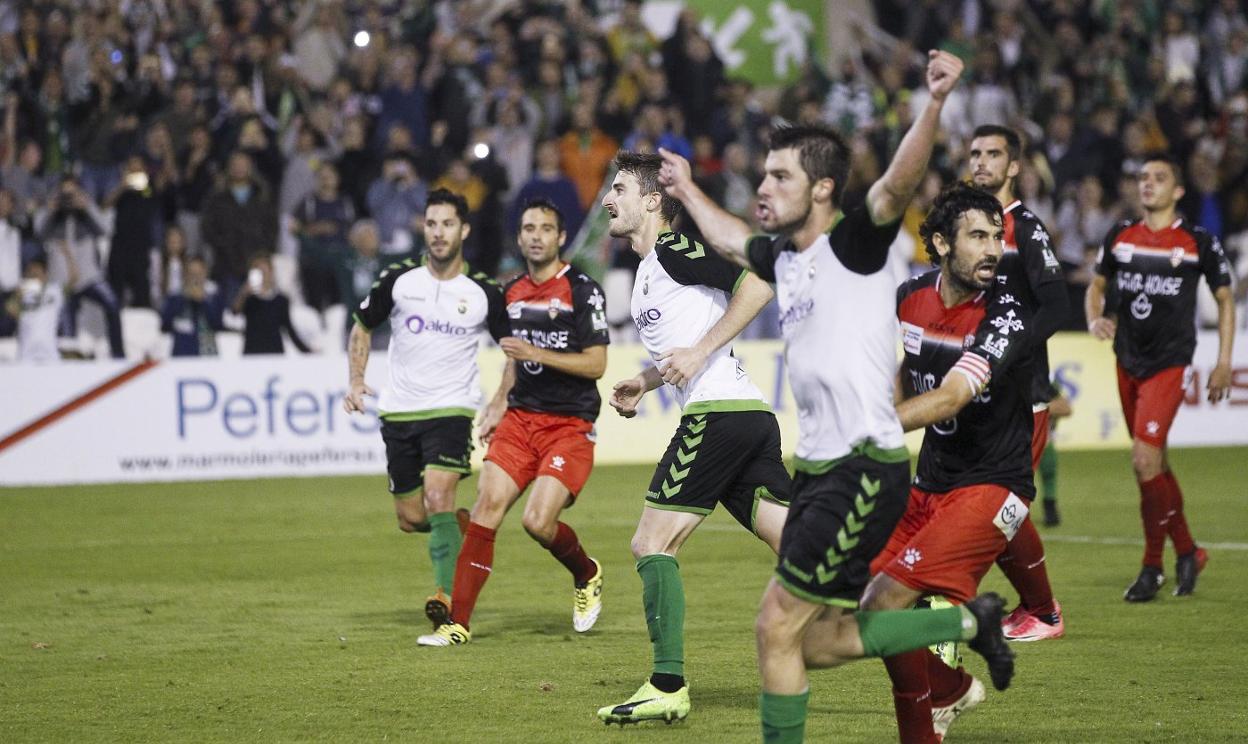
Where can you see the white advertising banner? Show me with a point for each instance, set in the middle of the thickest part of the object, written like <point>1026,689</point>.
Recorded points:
<point>207,419</point>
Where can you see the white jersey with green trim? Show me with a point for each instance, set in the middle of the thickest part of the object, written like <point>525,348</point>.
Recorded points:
<point>436,328</point>
<point>838,318</point>
<point>682,290</point>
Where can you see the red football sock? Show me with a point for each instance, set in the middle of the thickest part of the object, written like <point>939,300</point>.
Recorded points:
<point>566,549</point>
<point>1180,535</point>
<point>476,560</point>
<point>948,684</point>
<point>1154,504</point>
<point>1022,562</point>
<point>912,696</point>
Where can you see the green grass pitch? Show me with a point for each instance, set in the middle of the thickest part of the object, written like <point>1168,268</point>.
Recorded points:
<point>287,610</point>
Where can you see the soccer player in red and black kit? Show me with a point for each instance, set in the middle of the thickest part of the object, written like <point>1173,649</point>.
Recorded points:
<point>1153,267</point>
<point>1029,263</point>
<point>966,377</point>
<point>539,426</point>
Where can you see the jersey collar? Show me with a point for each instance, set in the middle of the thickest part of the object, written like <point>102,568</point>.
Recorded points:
<point>464,268</point>
<point>1012,205</point>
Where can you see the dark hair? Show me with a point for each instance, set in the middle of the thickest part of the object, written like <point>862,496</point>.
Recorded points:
<point>821,152</point>
<point>1013,143</point>
<point>542,202</point>
<point>955,200</point>
<point>442,196</point>
<point>645,168</point>
<point>1161,156</point>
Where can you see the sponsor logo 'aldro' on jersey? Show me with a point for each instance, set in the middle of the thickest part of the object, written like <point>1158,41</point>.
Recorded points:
<point>1029,262</point>
<point>984,339</point>
<point>1151,283</point>
<point>682,290</point>
<point>435,332</point>
<point>567,314</point>
<point>840,335</point>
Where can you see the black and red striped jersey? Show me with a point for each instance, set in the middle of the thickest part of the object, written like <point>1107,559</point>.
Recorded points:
<point>1152,278</point>
<point>985,340</point>
<point>566,313</point>
<point>1029,262</point>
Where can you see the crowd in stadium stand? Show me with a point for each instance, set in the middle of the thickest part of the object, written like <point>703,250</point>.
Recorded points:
<point>154,150</point>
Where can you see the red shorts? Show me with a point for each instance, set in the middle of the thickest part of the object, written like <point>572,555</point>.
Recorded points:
<point>1039,436</point>
<point>946,542</point>
<point>1150,404</point>
<point>528,444</point>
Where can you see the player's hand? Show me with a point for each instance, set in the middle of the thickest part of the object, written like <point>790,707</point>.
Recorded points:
<point>943,71</point>
<point>1060,407</point>
<point>681,365</point>
<point>675,173</point>
<point>1220,383</point>
<point>519,349</point>
<point>1103,328</point>
<point>626,395</point>
<point>354,400</point>
<point>487,421</point>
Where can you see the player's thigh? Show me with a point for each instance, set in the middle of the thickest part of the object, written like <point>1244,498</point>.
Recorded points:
<point>1039,435</point>
<point>548,497</point>
<point>1158,403</point>
<point>496,492</point>
<point>968,528</point>
<point>703,461</point>
<point>405,463</point>
<point>439,489</point>
<point>564,449</point>
<point>783,617</point>
<point>1128,391</point>
<point>837,522</point>
<point>759,498</point>
<point>663,531</point>
<point>511,449</point>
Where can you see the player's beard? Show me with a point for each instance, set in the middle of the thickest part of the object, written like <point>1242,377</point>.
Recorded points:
<point>791,225</point>
<point>963,275</point>
<point>440,264</point>
<point>991,186</point>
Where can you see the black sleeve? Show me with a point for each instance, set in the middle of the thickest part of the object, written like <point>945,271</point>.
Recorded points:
<point>1213,263</point>
<point>1003,336</point>
<point>860,244</point>
<point>589,312</point>
<point>1106,264</point>
<point>496,320</point>
<point>1039,261</point>
<point>760,251</point>
<point>1052,310</point>
<point>691,263</point>
<point>375,308</point>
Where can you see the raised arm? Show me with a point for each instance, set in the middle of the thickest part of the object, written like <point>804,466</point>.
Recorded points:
<point>725,232</point>
<point>891,194</point>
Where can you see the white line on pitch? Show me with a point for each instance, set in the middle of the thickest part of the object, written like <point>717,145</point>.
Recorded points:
<point>1050,537</point>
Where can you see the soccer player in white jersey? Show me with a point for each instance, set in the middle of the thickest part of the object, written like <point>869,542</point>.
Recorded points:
<point>838,320</point>
<point>437,311</point>
<point>688,304</point>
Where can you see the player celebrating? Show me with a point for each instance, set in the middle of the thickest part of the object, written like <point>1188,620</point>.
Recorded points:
<point>539,426</point>
<point>1153,268</point>
<point>836,302</point>
<point>961,330</point>
<point>437,312</point>
<point>688,304</point>
<point>1036,276</point>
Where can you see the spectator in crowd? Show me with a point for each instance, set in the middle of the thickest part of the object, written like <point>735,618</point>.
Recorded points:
<point>198,173</point>
<point>238,220</point>
<point>357,274</point>
<point>11,239</point>
<point>396,200</point>
<point>265,311</point>
<point>169,271</point>
<point>550,183</point>
<point>193,314</point>
<point>138,208</point>
<point>69,228</point>
<point>585,153</point>
<point>37,307</point>
<point>321,221</point>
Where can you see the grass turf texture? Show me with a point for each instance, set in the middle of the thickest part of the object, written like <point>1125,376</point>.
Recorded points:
<point>287,610</point>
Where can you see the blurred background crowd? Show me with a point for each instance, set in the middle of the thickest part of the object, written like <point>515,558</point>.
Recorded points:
<point>244,168</point>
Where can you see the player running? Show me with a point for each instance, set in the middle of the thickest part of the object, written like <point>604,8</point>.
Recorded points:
<point>1152,268</point>
<point>437,311</point>
<point>850,490</point>
<point>1037,279</point>
<point>539,426</point>
<point>688,304</point>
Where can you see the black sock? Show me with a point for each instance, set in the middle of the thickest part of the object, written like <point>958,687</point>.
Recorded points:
<point>667,682</point>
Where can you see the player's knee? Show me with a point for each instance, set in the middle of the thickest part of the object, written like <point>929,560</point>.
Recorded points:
<point>1147,465</point>
<point>539,528</point>
<point>439,499</point>
<point>410,526</point>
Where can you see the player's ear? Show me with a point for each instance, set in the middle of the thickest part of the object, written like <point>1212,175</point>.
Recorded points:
<point>942,245</point>
<point>822,190</point>
<point>653,200</point>
<point>563,238</point>
<point>1013,169</point>
<point>464,229</point>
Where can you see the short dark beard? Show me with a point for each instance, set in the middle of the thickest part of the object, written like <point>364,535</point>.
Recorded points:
<point>441,264</point>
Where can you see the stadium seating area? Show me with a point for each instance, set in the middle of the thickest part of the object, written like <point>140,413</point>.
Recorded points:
<point>202,129</point>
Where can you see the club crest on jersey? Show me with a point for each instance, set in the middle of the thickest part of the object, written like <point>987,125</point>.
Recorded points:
<point>1176,257</point>
<point>645,287</point>
<point>1123,252</point>
<point>553,309</point>
<point>462,307</point>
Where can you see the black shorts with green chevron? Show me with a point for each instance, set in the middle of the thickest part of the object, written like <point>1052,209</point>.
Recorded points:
<point>731,458</point>
<point>837,523</point>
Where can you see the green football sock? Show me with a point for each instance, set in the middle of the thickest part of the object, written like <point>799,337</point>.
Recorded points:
<point>783,717</point>
<point>891,632</point>
<point>1048,472</point>
<point>444,541</point>
<point>663,596</point>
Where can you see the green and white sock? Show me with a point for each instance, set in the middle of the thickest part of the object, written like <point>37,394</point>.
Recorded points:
<point>444,539</point>
<point>663,596</point>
